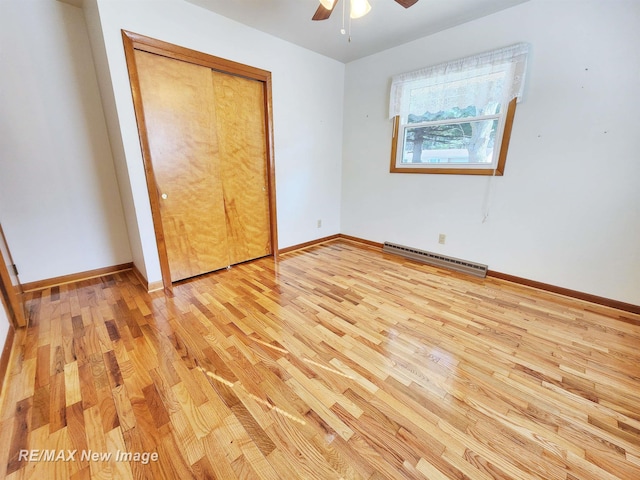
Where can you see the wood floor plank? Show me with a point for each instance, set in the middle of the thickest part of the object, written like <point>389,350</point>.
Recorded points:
<point>337,361</point>
<point>19,434</point>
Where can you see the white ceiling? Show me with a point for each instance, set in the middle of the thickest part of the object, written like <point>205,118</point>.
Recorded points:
<point>387,25</point>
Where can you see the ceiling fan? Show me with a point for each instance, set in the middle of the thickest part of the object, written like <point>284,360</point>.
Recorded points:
<point>359,8</point>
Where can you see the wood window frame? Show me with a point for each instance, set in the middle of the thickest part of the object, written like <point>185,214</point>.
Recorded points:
<point>134,41</point>
<point>497,171</point>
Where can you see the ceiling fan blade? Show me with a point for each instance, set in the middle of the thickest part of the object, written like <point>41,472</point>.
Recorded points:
<point>323,13</point>
<point>406,3</point>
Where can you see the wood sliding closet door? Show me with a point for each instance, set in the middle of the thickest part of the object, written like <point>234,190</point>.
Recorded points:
<point>206,133</point>
<point>179,113</point>
<point>241,135</point>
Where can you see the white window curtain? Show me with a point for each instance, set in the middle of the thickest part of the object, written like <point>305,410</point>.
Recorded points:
<point>484,80</point>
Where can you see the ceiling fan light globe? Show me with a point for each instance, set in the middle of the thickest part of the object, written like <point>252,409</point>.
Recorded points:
<point>328,4</point>
<point>359,8</point>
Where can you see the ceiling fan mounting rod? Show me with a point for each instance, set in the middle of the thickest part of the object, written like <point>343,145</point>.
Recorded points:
<point>357,8</point>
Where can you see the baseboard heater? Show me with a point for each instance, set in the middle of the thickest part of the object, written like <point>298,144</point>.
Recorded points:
<point>437,260</point>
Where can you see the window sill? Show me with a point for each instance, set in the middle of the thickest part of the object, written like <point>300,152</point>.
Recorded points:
<point>447,171</point>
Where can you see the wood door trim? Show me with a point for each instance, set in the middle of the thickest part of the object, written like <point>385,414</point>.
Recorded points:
<point>152,188</point>
<point>159,47</point>
<point>133,41</point>
<point>271,166</point>
<point>11,294</point>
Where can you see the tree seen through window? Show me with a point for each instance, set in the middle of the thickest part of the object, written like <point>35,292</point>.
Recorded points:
<point>465,141</point>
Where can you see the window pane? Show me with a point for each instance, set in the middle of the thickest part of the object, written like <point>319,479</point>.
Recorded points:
<point>476,95</point>
<point>454,113</point>
<point>451,143</point>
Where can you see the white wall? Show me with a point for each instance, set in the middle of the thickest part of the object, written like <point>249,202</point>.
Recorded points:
<point>61,207</point>
<point>567,211</point>
<point>307,106</point>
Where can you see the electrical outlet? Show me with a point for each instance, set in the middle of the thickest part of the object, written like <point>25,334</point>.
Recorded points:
<point>441,238</point>
<point>319,224</point>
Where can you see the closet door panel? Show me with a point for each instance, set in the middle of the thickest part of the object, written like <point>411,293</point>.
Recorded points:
<point>241,127</point>
<point>179,115</point>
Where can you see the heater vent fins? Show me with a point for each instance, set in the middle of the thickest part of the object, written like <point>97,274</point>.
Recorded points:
<point>437,260</point>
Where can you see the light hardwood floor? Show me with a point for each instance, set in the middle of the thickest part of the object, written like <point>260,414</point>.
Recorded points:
<point>337,361</point>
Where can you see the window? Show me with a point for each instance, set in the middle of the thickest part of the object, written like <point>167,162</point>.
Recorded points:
<point>456,117</point>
